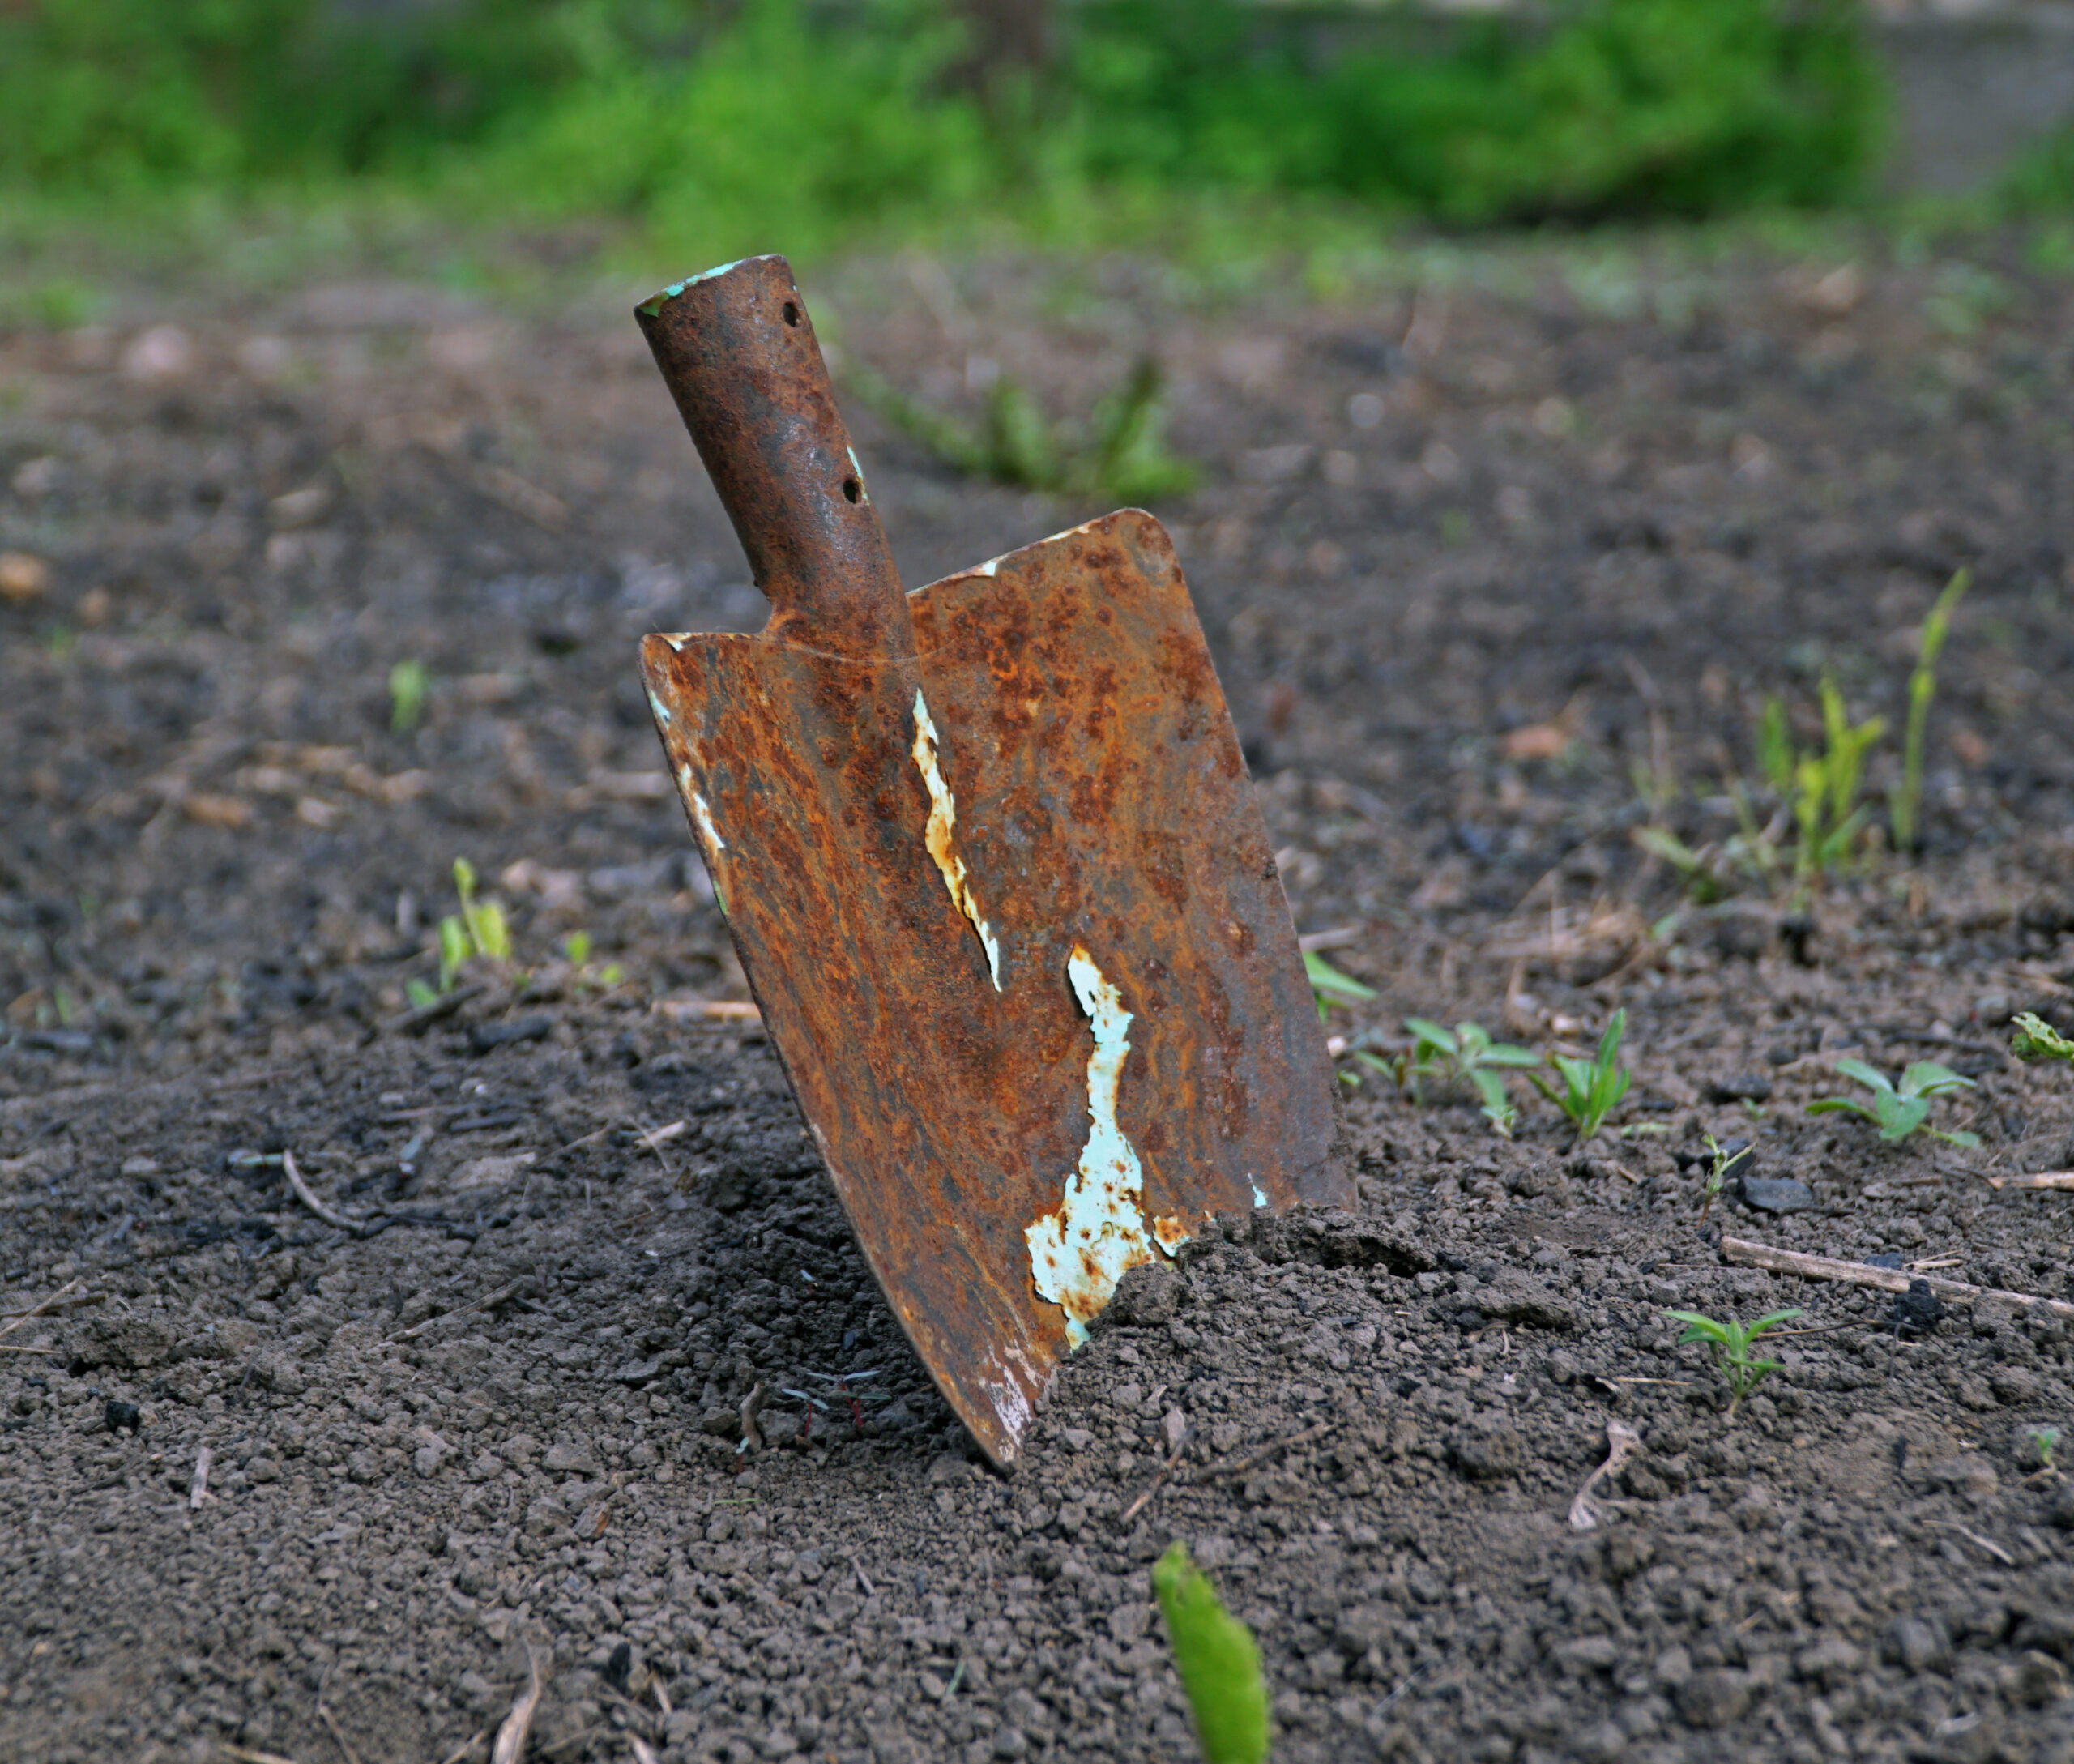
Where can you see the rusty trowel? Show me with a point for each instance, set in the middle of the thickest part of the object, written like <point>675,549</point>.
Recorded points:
<point>994,869</point>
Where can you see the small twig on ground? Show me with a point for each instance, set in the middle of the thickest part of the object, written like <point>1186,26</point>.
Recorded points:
<point>511,1737</point>
<point>1158,1482</point>
<point>2043,1179</point>
<point>466,1747</point>
<point>198,1485</point>
<point>482,1304</point>
<point>588,1138</point>
<point>662,1696</point>
<point>1741,1253</point>
<point>865,1581</point>
<point>1622,1443</point>
<point>644,1752</point>
<point>1993,1548</point>
<point>1254,1459</point>
<point>62,1298</point>
<point>331,1722</point>
<point>330,1215</point>
<point>246,1756</point>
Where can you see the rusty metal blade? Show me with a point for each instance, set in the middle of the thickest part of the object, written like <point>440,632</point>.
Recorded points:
<point>1010,912</point>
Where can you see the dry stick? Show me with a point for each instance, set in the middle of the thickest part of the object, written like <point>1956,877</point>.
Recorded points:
<point>248,1756</point>
<point>325,1716</point>
<point>1253,1459</point>
<point>197,1489</point>
<point>330,1215</point>
<point>1622,1443</point>
<point>482,1304</point>
<point>1741,1253</point>
<point>424,1016</point>
<point>1993,1549</point>
<point>752,1407</point>
<point>2043,1179</point>
<point>1166,1469</point>
<point>63,1297</point>
<point>511,1736</point>
<point>466,1746</point>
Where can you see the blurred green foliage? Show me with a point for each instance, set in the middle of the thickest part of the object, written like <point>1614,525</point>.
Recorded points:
<point>722,126</point>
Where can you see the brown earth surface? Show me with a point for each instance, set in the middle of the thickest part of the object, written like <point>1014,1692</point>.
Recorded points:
<point>1497,570</point>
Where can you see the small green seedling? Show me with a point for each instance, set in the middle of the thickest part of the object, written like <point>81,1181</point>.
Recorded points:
<point>1591,1088</point>
<point>408,682</point>
<point>2036,1039</point>
<point>1899,1113</point>
<point>2044,1442</point>
<point>1821,788</point>
<point>1923,686</point>
<point>576,947</point>
<point>1467,1054</point>
<point>1731,1343</point>
<point>1723,1161</point>
<point>1329,985</point>
<point>1218,1661</point>
<point>480,928</point>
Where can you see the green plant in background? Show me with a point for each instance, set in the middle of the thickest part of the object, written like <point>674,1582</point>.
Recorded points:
<point>1923,686</point>
<point>576,948</point>
<point>1218,1661</point>
<point>1591,1088</point>
<point>1822,787</point>
<point>2036,1039</point>
<point>1329,986</point>
<point>1899,1111</point>
<point>480,928</point>
<point>1122,454</point>
<point>1466,1054</point>
<point>1731,1343</point>
<point>409,681</point>
<point>2044,1442</point>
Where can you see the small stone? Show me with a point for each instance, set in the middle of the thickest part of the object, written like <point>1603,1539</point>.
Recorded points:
<point>1740,1087</point>
<point>1778,1194</point>
<point>1713,1699</point>
<point>120,1417</point>
<point>162,352</point>
<point>22,578</point>
<point>487,1467</point>
<point>474,1689</point>
<point>1827,1662</point>
<point>1146,1296</point>
<point>1913,1646</point>
<point>1487,1454</point>
<point>564,1458</point>
<point>951,1467</point>
<point>1011,1742</point>
<point>364,1467</point>
<point>263,1469</point>
<point>1917,1311</point>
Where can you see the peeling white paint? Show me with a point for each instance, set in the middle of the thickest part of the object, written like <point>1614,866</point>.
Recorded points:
<point>676,644</point>
<point>1079,1252</point>
<point>940,834</point>
<point>662,711</point>
<point>1169,1233</point>
<point>703,815</point>
<point>1260,1193</point>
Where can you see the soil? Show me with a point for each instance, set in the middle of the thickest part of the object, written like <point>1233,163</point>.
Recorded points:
<point>1497,569</point>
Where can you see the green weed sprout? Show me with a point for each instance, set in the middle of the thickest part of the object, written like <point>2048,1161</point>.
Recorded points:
<point>2036,1039</point>
<point>1121,455</point>
<point>1329,985</point>
<point>480,928</point>
<point>1218,1661</point>
<point>1591,1088</point>
<point>1468,1053</point>
<point>1723,1161</point>
<point>1821,788</point>
<point>2044,1442</point>
<point>408,682</point>
<point>1899,1112</point>
<point>1923,686</point>
<point>1731,1343</point>
<point>577,947</point>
